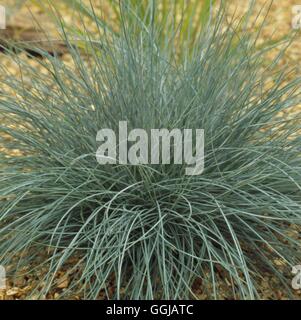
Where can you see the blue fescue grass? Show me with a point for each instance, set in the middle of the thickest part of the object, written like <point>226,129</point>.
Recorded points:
<point>149,228</point>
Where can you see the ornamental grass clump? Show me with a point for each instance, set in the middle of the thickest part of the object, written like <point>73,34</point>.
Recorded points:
<point>150,231</point>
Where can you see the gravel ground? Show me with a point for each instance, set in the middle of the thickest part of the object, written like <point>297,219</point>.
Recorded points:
<point>278,25</point>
